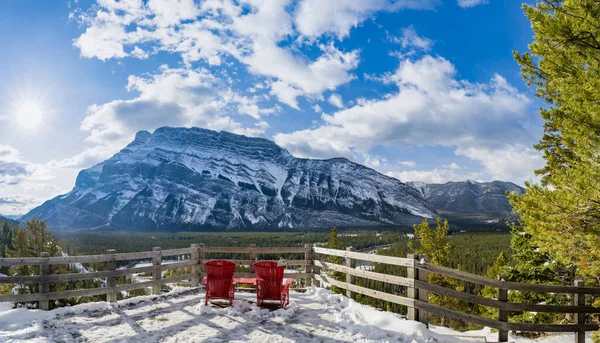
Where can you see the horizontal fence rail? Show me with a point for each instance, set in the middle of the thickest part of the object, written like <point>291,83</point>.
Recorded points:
<point>418,289</point>
<point>415,288</point>
<point>193,258</point>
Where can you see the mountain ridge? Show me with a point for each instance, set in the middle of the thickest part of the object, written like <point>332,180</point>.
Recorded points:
<point>193,178</point>
<point>471,204</point>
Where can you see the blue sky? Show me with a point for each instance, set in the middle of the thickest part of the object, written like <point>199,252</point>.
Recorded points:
<point>422,90</point>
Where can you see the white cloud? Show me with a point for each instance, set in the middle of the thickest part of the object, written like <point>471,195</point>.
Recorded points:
<point>442,174</point>
<point>470,3</point>
<point>173,97</point>
<point>314,18</point>
<point>24,184</point>
<point>13,169</point>
<point>430,107</point>
<point>509,162</point>
<point>317,108</point>
<point>409,164</point>
<point>410,40</point>
<point>336,100</point>
<point>87,157</point>
<point>296,77</point>
<point>139,53</point>
<point>250,31</point>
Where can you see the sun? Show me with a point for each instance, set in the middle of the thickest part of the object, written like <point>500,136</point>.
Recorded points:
<point>29,115</point>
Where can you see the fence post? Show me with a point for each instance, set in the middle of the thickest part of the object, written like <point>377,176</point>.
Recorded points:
<point>44,286</point>
<point>111,281</point>
<point>579,300</point>
<point>502,314</point>
<point>202,260</point>
<point>412,292</point>
<point>252,256</point>
<point>316,270</point>
<point>195,267</point>
<point>423,276</point>
<point>351,279</point>
<point>308,268</point>
<point>156,261</point>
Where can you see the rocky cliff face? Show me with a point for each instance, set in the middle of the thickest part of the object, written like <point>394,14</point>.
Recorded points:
<point>471,204</point>
<point>469,197</point>
<point>191,178</point>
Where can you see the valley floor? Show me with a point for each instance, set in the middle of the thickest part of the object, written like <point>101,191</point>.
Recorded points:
<point>180,316</point>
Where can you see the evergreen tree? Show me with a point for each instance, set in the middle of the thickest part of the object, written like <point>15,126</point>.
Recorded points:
<point>30,241</point>
<point>334,243</point>
<point>562,214</point>
<point>500,267</point>
<point>435,244</point>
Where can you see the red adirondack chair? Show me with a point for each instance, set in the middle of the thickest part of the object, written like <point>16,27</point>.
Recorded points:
<point>269,283</point>
<point>219,280</point>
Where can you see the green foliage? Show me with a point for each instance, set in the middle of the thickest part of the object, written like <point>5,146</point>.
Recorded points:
<point>563,213</point>
<point>85,242</point>
<point>334,243</point>
<point>561,216</point>
<point>530,265</point>
<point>434,242</point>
<point>31,241</point>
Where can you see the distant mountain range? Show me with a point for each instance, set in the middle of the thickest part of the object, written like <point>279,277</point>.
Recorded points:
<point>11,221</point>
<point>197,179</point>
<point>471,204</point>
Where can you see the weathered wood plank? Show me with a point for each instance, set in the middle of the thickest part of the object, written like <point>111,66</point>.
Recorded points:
<point>111,281</point>
<point>53,260</point>
<point>458,315</point>
<point>459,275</point>
<point>502,325</point>
<point>52,295</point>
<point>174,252</point>
<point>397,261</point>
<point>396,299</point>
<point>550,288</point>
<point>507,306</point>
<point>551,327</point>
<point>350,279</point>
<point>134,256</point>
<point>74,276</point>
<point>167,266</point>
<point>250,262</point>
<point>90,291</point>
<point>508,284</point>
<point>263,250</point>
<point>396,280</point>
<point>285,275</point>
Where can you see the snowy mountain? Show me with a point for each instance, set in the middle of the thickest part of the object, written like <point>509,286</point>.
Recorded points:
<point>469,202</point>
<point>192,178</point>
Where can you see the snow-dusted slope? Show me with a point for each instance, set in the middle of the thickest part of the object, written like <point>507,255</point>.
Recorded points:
<point>180,316</point>
<point>469,197</point>
<point>191,178</point>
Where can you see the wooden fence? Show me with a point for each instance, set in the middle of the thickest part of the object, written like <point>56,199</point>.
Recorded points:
<point>315,263</point>
<point>418,290</point>
<point>193,257</point>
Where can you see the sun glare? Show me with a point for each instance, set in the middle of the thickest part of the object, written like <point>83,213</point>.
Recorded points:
<point>29,115</point>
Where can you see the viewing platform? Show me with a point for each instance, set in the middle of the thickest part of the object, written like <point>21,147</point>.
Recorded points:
<point>314,313</point>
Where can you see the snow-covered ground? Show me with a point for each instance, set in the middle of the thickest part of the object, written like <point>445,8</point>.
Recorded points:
<point>180,316</point>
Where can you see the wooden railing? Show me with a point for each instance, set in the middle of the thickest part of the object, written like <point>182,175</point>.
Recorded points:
<point>418,290</point>
<point>193,257</point>
<point>315,263</point>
